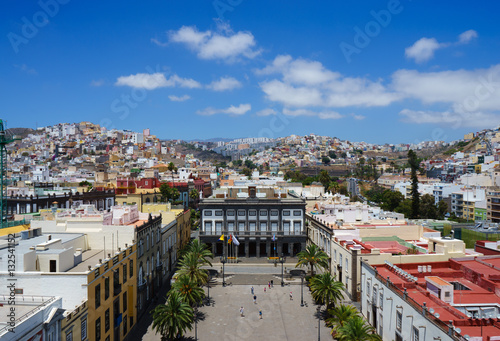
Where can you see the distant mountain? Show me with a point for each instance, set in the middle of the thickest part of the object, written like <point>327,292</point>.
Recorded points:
<point>21,132</point>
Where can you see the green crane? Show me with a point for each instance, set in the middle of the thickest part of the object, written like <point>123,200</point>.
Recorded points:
<point>4,141</point>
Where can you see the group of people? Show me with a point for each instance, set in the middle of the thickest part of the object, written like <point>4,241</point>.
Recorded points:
<point>270,285</point>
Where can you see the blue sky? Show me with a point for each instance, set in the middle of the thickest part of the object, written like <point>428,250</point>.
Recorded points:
<point>385,71</point>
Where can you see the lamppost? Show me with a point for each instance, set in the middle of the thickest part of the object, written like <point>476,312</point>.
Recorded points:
<point>223,261</point>
<point>195,324</point>
<point>302,290</point>
<point>282,260</point>
<point>319,322</point>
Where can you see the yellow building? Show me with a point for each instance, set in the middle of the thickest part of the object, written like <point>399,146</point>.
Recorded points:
<point>468,136</point>
<point>112,296</point>
<point>183,228</point>
<point>74,326</point>
<point>140,198</point>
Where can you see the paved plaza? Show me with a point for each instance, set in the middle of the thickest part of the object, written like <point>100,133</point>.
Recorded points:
<point>282,318</point>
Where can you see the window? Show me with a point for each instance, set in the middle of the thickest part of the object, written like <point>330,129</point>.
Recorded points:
<point>125,325</point>
<point>297,213</point>
<point>241,213</point>
<point>69,336</point>
<point>208,226</point>
<point>147,242</point>
<point>367,286</point>
<point>263,213</point>
<point>98,329</point>
<point>286,228</point>
<point>340,259</point>
<point>346,264</point>
<point>374,298</point>
<point>230,227</point>
<point>131,268</point>
<point>125,301</point>
<point>241,226</point>
<point>335,255</point>
<point>415,334</point>
<point>106,288</point>
<point>230,213</point>
<point>218,213</point>
<point>252,213</point>
<point>251,226</point>
<point>263,226</point>
<point>297,227</point>
<point>116,282</point>
<point>84,329</point>
<point>399,320</point>
<point>286,213</point>
<point>380,325</point>
<point>274,213</point>
<point>274,227</point>
<point>106,320</point>
<point>381,301</point>
<point>207,213</point>
<point>97,296</point>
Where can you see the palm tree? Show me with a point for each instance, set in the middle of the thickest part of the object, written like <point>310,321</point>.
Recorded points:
<point>190,267</point>
<point>339,316</point>
<point>171,167</point>
<point>172,318</point>
<point>314,257</point>
<point>200,250</point>
<point>356,329</point>
<point>189,291</point>
<point>333,187</point>
<point>326,290</point>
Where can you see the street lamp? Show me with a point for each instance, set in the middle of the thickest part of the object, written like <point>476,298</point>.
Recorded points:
<point>223,261</point>
<point>282,260</point>
<point>195,324</point>
<point>319,322</point>
<point>302,290</point>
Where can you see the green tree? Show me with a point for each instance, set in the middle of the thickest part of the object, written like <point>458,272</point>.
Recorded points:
<point>339,316</point>
<point>200,252</point>
<point>312,256</point>
<point>415,196</point>
<point>442,209</point>
<point>168,193</point>
<point>357,329</point>
<point>190,292</point>
<point>326,290</point>
<point>332,154</point>
<point>171,167</point>
<point>405,208</point>
<point>247,172</point>
<point>333,187</point>
<point>325,160</point>
<point>391,200</point>
<point>172,318</point>
<point>324,178</point>
<point>194,194</point>
<point>190,267</point>
<point>428,209</point>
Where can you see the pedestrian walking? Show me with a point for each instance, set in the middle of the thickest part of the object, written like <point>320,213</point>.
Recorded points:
<point>251,289</point>
<point>291,296</point>
<point>242,311</point>
<point>269,285</point>
<point>255,299</point>
<point>260,314</point>
<point>264,290</point>
<point>272,284</point>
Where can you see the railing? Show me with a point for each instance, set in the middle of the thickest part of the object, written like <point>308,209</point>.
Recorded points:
<point>13,223</point>
<point>49,299</point>
<point>253,233</point>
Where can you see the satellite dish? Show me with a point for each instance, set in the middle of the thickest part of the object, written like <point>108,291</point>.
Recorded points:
<point>431,311</point>
<point>466,337</point>
<point>458,330</point>
<point>437,315</point>
<point>469,314</point>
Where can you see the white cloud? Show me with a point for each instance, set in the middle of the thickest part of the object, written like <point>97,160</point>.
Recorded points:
<point>266,112</point>
<point>98,82</point>
<point>232,110</point>
<point>225,45</point>
<point>159,43</point>
<point>423,49</point>
<point>306,112</point>
<point>308,83</point>
<point>152,81</point>
<point>451,119</point>
<point>174,98</point>
<point>358,117</point>
<point>467,36</point>
<point>26,69</point>
<point>225,83</point>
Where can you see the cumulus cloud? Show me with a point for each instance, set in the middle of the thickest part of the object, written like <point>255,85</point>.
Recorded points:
<point>232,110</point>
<point>183,98</point>
<point>308,83</point>
<point>358,117</point>
<point>266,112</point>
<point>150,81</point>
<point>225,45</point>
<point>306,112</point>
<point>423,49</point>
<point>224,83</point>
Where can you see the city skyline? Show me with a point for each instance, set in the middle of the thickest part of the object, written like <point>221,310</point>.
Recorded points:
<point>391,72</point>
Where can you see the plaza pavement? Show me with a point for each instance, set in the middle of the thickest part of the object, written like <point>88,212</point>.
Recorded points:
<point>283,319</point>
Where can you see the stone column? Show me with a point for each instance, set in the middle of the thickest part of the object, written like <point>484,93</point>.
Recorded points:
<point>247,248</point>
<point>257,248</point>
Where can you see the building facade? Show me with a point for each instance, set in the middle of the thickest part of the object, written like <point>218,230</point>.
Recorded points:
<point>264,227</point>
